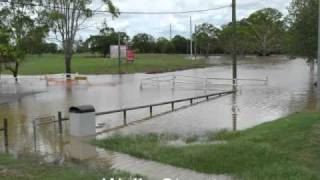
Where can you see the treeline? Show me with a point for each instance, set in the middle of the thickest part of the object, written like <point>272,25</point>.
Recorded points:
<point>24,29</point>
<point>261,33</point>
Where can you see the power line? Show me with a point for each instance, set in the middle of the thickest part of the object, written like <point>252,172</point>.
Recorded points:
<point>176,12</point>
<point>132,12</point>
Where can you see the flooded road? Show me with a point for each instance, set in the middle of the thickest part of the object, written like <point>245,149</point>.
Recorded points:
<point>289,89</point>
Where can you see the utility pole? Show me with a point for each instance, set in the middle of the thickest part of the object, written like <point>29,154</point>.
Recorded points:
<point>318,62</point>
<point>119,53</point>
<point>195,42</point>
<point>234,43</point>
<point>170,32</point>
<point>191,48</point>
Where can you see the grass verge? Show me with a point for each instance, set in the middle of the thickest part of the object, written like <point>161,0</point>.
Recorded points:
<point>145,63</point>
<point>32,168</point>
<point>288,148</point>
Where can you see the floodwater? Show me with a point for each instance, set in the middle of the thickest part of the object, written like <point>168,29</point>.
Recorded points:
<point>289,89</point>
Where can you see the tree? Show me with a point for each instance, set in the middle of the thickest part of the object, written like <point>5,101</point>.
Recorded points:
<point>266,27</point>
<point>163,45</point>
<point>180,44</point>
<point>244,44</point>
<point>50,48</point>
<point>107,36</point>
<point>18,23</point>
<point>6,50</point>
<point>143,43</point>
<point>207,38</point>
<point>66,18</point>
<point>34,42</point>
<point>303,29</point>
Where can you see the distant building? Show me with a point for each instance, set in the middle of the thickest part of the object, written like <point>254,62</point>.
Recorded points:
<point>114,51</point>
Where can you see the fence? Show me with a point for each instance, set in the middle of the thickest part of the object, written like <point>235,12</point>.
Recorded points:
<point>150,107</point>
<point>39,121</point>
<point>173,80</point>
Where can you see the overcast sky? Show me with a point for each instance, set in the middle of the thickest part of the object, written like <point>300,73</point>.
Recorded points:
<point>158,25</point>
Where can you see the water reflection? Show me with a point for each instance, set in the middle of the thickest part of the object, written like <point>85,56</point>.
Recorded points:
<point>79,148</point>
<point>234,109</point>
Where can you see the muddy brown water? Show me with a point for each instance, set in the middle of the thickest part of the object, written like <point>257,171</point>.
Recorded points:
<point>289,89</point>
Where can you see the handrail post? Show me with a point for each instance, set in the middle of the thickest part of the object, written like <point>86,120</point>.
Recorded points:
<point>172,106</point>
<point>173,82</point>
<point>141,84</point>
<point>150,111</point>
<point>5,131</point>
<point>34,135</point>
<point>206,83</point>
<point>191,101</point>
<point>124,117</point>
<point>60,122</point>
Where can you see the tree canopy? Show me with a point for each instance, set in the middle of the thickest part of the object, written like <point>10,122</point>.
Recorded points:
<point>302,36</point>
<point>143,43</point>
<point>18,28</point>
<point>66,17</point>
<point>107,36</point>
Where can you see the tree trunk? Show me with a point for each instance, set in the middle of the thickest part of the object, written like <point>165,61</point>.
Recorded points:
<point>16,70</point>
<point>68,65</point>
<point>208,49</point>
<point>67,58</point>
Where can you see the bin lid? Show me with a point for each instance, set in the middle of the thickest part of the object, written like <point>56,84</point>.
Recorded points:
<point>81,109</point>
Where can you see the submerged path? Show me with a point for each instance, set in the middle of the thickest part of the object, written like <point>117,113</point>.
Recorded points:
<point>154,170</point>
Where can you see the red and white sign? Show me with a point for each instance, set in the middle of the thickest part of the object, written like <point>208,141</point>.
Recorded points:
<point>130,55</point>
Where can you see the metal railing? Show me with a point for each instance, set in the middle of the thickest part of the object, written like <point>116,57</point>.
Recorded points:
<point>40,121</point>
<point>195,80</point>
<point>149,106</point>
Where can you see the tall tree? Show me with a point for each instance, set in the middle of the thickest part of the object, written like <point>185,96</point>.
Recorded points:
<point>163,45</point>
<point>66,18</point>
<point>207,37</point>
<point>180,44</point>
<point>143,43</point>
<point>302,34</point>
<point>107,36</point>
<point>19,20</point>
<point>244,44</point>
<point>267,29</point>
<point>34,42</point>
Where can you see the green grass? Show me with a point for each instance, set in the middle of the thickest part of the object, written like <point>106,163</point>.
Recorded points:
<point>148,63</point>
<point>288,148</point>
<point>32,168</point>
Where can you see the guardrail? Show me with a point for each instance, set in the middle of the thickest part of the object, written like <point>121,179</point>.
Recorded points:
<point>149,106</point>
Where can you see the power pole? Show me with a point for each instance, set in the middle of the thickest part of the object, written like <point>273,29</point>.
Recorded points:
<point>119,53</point>
<point>195,42</point>
<point>191,48</point>
<point>318,62</point>
<point>170,32</point>
<point>234,43</point>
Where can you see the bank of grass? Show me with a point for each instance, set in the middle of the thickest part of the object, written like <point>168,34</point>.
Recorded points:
<point>288,148</point>
<point>88,64</point>
<point>31,168</point>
